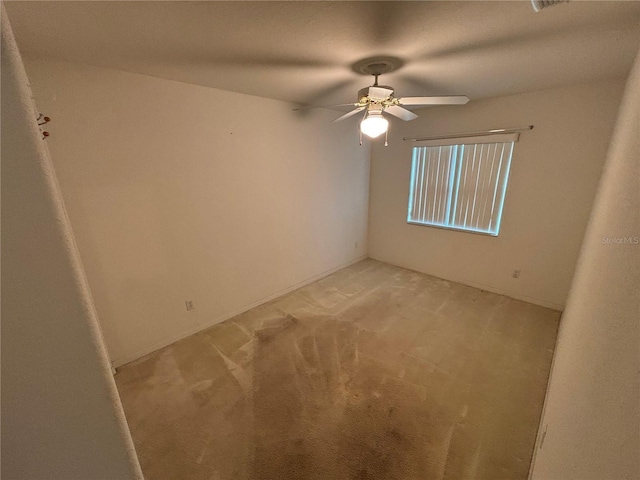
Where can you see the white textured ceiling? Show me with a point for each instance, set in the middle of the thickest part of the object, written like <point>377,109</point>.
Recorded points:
<point>303,52</point>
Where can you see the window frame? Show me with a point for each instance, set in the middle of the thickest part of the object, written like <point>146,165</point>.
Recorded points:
<point>458,145</point>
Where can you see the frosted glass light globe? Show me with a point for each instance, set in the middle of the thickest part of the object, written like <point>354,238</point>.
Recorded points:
<point>374,125</point>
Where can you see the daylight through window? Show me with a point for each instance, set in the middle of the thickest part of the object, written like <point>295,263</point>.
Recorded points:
<point>460,186</point>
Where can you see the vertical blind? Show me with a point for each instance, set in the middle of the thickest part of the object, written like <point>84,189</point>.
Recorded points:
<point>460,186</point>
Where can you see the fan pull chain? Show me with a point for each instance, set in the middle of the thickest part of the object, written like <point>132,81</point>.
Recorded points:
<point>386,138</point>
<point>360,132</point>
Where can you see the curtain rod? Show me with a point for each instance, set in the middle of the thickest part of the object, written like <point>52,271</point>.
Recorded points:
<point>473,134</point>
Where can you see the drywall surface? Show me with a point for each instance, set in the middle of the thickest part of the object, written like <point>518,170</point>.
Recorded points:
<point>554,175</point>
<point>592,415</point>
<point>179,192</point>
<point>61,415</point>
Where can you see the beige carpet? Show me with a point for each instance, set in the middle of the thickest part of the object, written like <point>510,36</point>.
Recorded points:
<point>375,372</point>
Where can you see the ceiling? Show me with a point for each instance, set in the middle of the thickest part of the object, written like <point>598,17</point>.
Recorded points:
<point>304,52</point>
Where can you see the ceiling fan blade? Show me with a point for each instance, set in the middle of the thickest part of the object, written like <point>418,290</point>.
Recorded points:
<point>347,115</point>
<point>403,113</point>
<point>443,100</point>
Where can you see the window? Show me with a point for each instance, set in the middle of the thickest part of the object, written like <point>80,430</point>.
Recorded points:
<point>461,186</point>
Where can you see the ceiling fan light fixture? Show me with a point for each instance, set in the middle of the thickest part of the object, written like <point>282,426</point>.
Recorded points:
<point>540,4</point>
<point>374,125</point>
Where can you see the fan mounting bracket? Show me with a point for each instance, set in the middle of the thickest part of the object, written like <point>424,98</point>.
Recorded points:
<point>377,65</point>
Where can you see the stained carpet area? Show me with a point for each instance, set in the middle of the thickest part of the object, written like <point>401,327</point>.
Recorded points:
<point>375,372</point>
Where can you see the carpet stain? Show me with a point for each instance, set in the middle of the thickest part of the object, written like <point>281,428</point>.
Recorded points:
<point>375,372</point>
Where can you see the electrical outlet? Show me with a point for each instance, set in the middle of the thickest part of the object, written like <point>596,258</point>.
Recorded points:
<point>516,274</point>
<point>189,304</point>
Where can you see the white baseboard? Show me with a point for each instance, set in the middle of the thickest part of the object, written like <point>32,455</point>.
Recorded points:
<point>203,326</point>
<point>488,288</point>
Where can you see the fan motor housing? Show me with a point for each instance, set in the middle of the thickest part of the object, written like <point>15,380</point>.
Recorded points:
<point>365,93</point>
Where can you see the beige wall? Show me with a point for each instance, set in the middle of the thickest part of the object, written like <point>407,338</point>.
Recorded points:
<point>554,174</point>
<point>179,192</point>
<point>591,425</point>
<point>61,415</point>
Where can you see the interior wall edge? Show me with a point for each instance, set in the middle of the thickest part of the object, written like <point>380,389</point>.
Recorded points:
<point>157,346</point>
<point>488,288</point>
<point>41,213</point>
<point>589,422</point>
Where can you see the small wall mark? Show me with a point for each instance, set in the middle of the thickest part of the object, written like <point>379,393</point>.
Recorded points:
<point>543,436</point>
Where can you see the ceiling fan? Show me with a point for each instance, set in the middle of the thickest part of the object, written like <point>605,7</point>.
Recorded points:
<point>378,99</point>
